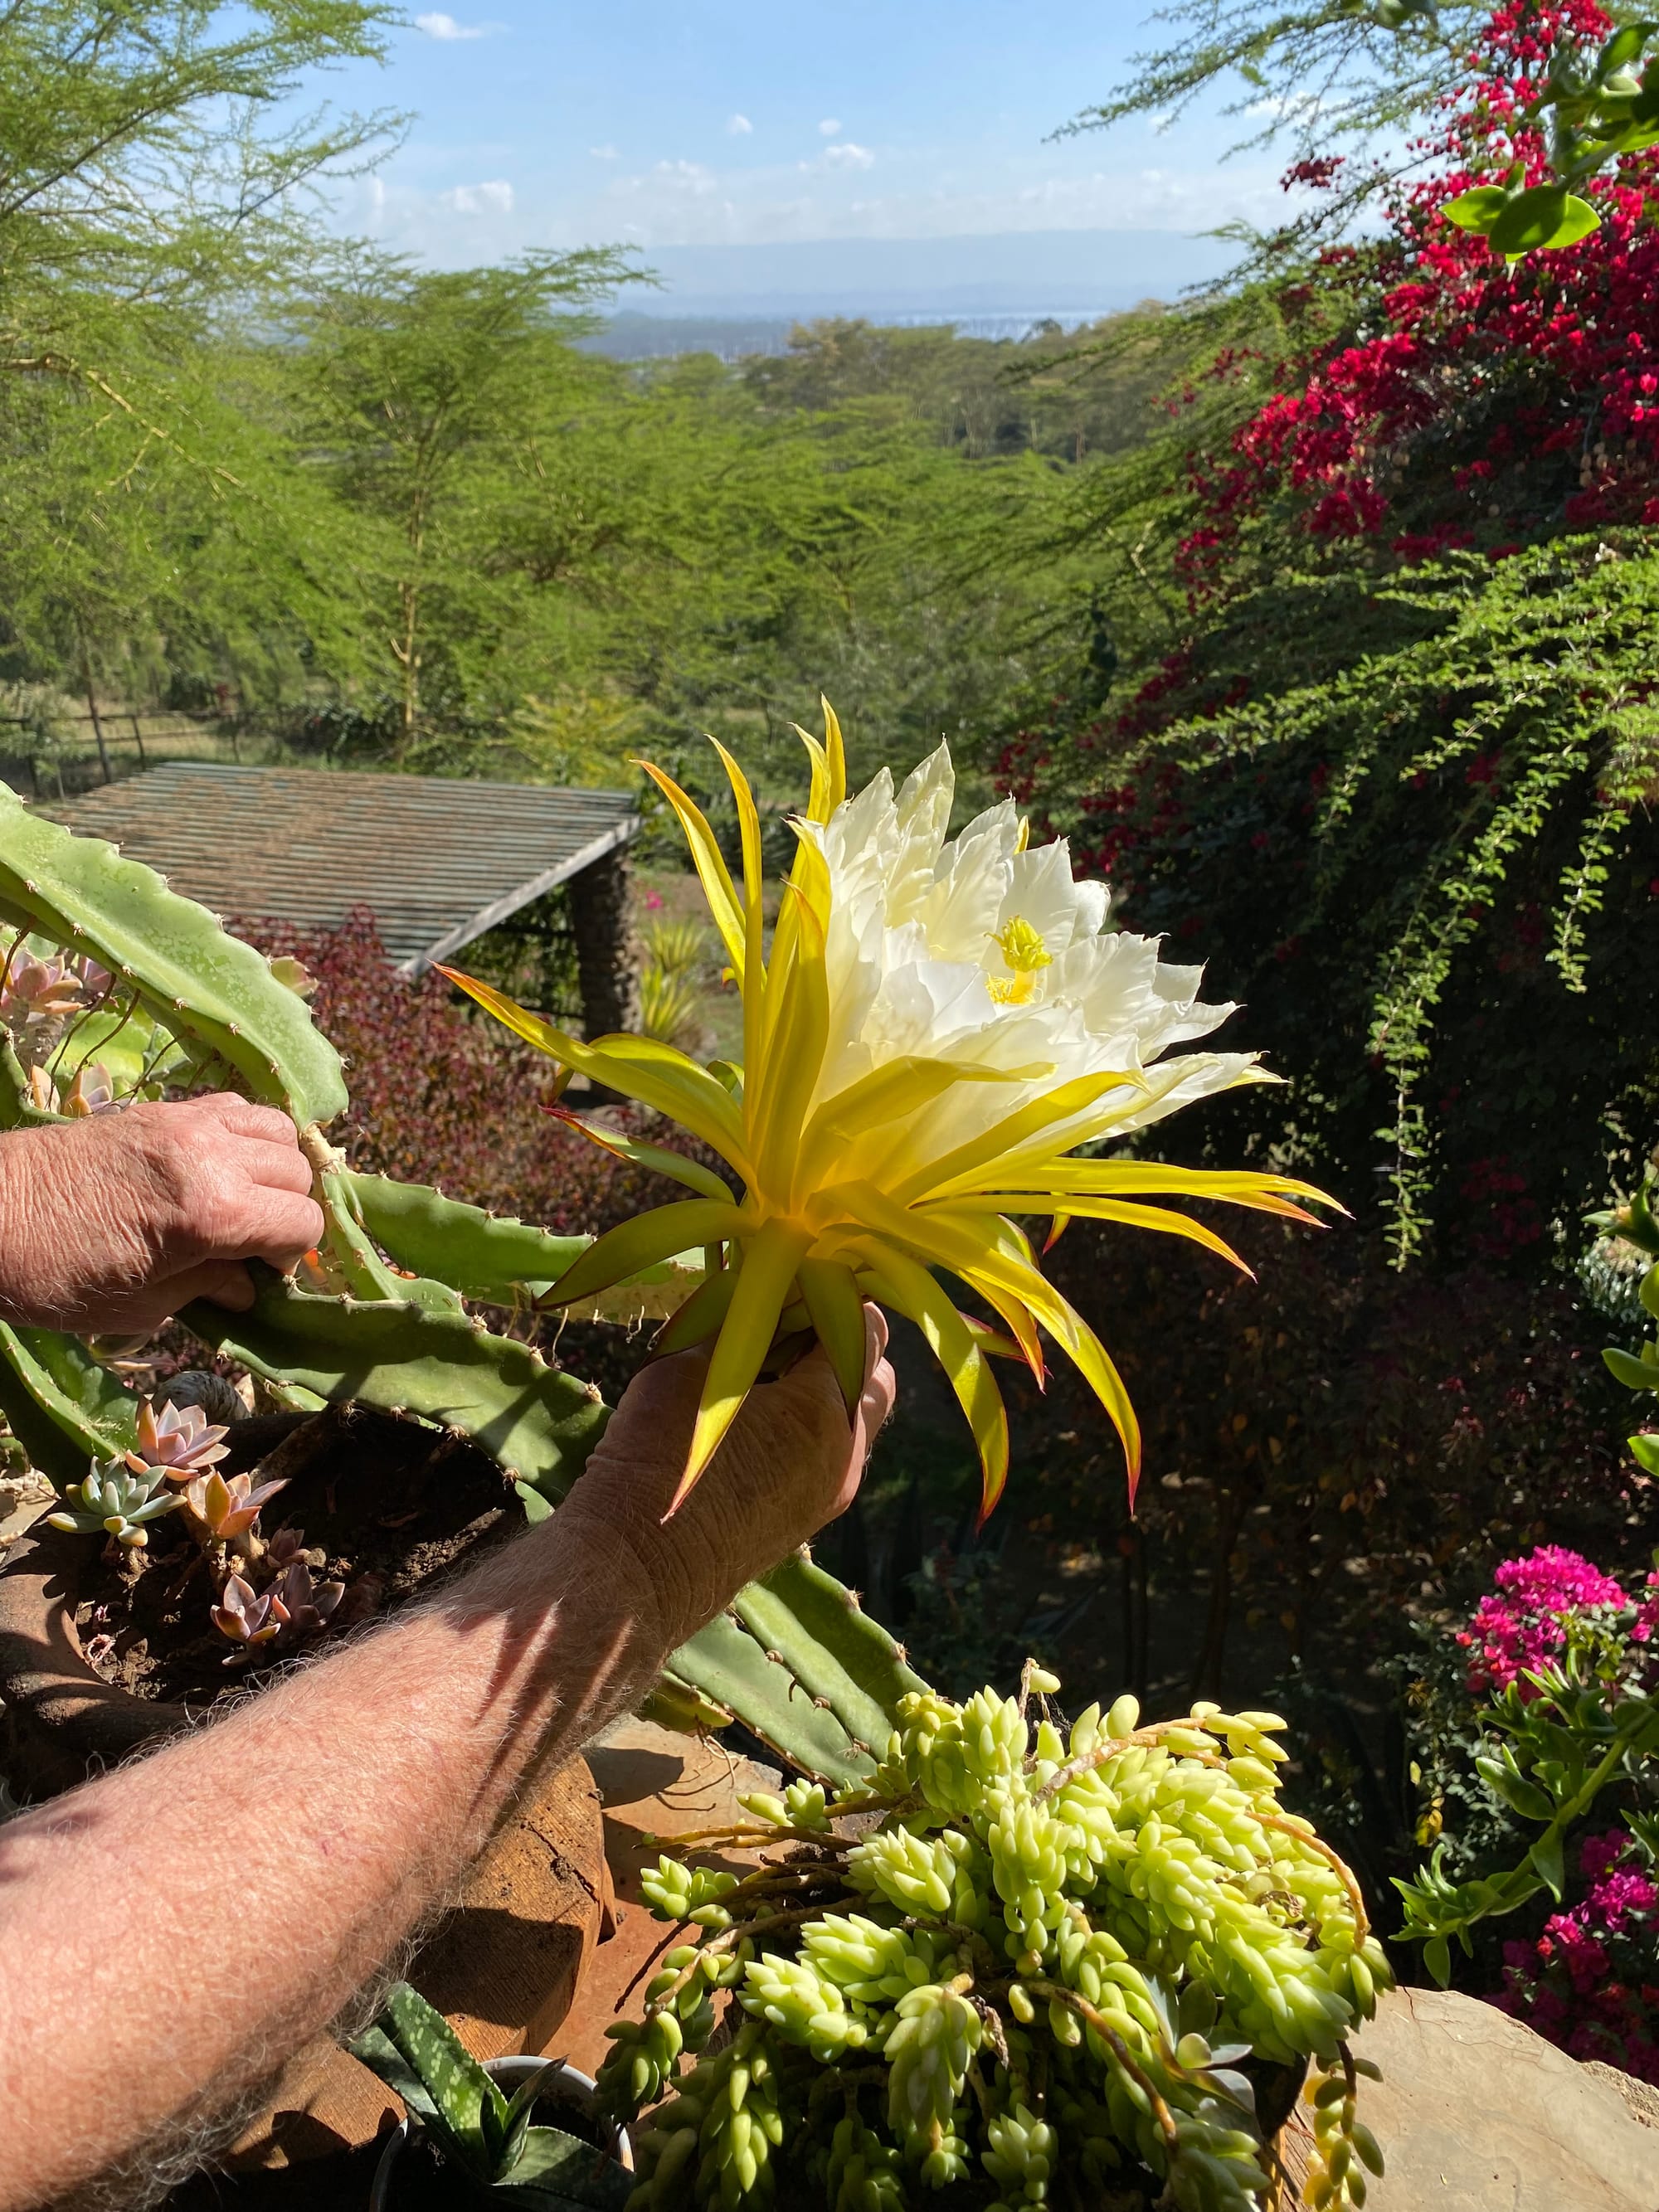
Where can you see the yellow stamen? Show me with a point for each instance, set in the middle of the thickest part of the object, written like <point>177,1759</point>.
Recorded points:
<point>1025,952</point>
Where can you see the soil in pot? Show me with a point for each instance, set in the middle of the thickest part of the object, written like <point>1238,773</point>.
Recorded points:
<point>383,1503</point>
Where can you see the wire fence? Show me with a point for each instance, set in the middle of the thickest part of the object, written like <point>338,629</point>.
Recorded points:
<point>39,758</point>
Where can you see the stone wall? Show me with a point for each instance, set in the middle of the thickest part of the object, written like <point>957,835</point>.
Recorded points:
<point>608,954</point>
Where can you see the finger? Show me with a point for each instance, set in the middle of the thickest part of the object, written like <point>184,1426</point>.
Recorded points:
<point>283,1226</point>
<point>244,1119</point>
<point>875,1335</point>
<point>221,1282</point>
<point>275,1167</point>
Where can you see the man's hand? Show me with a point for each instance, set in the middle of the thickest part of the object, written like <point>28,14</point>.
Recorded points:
<point>392,1758</point>
<point>115,1222</point>
<point>789,1462</point>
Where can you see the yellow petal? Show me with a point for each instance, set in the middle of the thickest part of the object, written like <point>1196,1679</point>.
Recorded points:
<point>1268,1193</point>
<point>969,1246</point>
<point>837,1311</point>
<point>794,1054</point>
<point>642,1242</point>
<point>900,1282</point>
<point>835,753</point>
<point>710,864</point>
<point>655,1157</point>
<point>765,1283</point>
<point>1105,1209</point>
<point>889,1093</point>
<point>817,804</point>
<point>1058,1105</point>
<point>753,969</point>
<point>1149,1088</point>
<point>656,1074</point>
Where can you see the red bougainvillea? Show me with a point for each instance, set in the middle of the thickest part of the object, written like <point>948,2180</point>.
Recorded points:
<point>1486,402</point>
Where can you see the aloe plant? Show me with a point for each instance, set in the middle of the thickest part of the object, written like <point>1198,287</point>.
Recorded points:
<point>107,965</point>
<point>489,2141</point>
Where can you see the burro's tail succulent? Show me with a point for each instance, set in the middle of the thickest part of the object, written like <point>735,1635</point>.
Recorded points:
<point>103,967</point>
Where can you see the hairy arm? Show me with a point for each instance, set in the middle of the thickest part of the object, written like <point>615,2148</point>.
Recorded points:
<point>169,1934</point>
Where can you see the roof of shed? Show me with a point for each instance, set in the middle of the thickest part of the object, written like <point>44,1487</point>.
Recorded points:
<point>437,860</point>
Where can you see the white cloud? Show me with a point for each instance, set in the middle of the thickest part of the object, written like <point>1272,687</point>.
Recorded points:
<point>603,153</point>
<point>681,177</point>
<point>494,197</point>
<point>739,126</point>
<point>850,156</point>
<point>829,127</point>
<point>437,25</point>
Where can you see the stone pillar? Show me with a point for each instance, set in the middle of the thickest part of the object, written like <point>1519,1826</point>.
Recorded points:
<point>607,954</point>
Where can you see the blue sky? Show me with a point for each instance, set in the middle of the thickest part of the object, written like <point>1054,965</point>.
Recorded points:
<point>650,123</point>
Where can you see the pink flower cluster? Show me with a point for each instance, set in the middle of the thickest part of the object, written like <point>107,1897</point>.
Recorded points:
<point>1591,1982</point>
<point>1543,1597</point>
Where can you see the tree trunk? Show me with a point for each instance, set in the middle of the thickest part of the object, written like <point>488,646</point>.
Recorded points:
<point>91,708</point>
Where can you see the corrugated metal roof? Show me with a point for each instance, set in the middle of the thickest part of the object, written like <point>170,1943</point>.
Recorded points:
<point>438,860</point>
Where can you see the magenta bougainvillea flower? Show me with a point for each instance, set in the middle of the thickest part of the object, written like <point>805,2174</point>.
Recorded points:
<point>1526,1625</point>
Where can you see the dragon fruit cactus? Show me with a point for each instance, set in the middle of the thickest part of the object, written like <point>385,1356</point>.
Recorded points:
<point>179,1440</point>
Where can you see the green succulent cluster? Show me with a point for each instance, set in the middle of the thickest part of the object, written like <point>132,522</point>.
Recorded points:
<point>115,1500</point>
<point>1020,1960</point>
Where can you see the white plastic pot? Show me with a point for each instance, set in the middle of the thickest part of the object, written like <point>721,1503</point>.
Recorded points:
<point>508,2072</point>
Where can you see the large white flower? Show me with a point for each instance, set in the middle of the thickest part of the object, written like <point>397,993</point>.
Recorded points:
<point>937,1026</point>
<point>983,951</point>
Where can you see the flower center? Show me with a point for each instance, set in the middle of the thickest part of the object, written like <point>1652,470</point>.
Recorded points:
<point>1023,950</point>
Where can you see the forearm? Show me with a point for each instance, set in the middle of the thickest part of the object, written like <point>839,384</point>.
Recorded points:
<point>171,1933</point>
<point>191,1920</point>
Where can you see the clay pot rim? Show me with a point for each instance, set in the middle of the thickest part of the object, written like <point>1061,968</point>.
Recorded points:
<point>516,2069</point>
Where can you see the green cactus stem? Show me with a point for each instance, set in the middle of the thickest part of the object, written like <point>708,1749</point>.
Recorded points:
<point>61,1404</point>
<point>17,1109</point>
<point>399,1356</point>
<point>805,1670</point>
<point>496,1260</point>
<point>203,985</point>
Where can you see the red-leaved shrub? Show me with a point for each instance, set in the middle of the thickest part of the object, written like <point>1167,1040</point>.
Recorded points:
<point>440,1094</point>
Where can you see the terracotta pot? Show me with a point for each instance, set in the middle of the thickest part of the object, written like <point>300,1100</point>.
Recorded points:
<point>509,2072</point>
<point>503,1964</point>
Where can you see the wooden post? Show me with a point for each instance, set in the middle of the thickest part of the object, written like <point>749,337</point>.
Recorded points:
<point>138,738</point>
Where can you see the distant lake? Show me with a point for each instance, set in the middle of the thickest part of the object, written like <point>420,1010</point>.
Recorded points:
<point>636,337</point>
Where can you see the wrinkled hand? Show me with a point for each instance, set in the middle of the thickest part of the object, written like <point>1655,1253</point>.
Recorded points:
<point>790,1462</point>
<point>115,1222</point>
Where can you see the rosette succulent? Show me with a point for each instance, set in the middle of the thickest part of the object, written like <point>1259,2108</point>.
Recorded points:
<point>935,1028</point>
<point>181,1440</point>
<point>118,1499</point>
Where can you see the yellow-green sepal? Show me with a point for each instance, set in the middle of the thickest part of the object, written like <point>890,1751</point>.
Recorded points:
<point>833,1300</point>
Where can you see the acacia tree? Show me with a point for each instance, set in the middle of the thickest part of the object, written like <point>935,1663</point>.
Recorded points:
<point>424,390</point>
<point>154,182</point>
